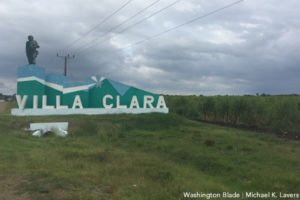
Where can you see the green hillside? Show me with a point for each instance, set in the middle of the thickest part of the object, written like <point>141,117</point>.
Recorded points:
<point>148,156</point>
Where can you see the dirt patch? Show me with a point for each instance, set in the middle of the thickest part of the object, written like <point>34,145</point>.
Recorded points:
<point>9,188</point>
<point>3,106</point>
<point>286,135</point>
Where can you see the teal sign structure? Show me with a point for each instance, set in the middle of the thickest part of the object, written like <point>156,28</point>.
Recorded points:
<point>39,93</point>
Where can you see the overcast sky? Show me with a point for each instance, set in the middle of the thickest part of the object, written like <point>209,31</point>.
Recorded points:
<point>252,47</point>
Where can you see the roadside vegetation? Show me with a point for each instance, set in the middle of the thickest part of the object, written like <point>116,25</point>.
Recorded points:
<point>147,156</point>
<point>277,114</point>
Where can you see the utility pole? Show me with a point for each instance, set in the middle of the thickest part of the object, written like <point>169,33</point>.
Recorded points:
<point>66,61</point>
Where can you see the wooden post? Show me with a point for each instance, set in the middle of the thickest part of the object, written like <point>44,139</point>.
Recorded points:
<point>65,62</point>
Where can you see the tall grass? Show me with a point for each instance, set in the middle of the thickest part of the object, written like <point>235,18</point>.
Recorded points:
<point>140,157</point>
<point>280,114</point>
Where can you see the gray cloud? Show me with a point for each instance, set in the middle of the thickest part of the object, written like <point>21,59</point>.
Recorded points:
<point>252,47</point>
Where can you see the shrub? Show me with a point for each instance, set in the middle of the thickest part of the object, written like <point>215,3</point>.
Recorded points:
<point>276,113</point>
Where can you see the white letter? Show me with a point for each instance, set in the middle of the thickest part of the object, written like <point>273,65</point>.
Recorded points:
<point>118,103</point>
<point>58,106</point>
<point>148,100</point>
<point>35,101</point>
<point>21,102</point>
<point>134,102</point>
<point>77,102</point>
<point>161,102</point>
<point>45,106</point>
<point>104,101</point>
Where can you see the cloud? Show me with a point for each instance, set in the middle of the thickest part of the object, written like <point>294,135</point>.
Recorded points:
<point>249,48</point>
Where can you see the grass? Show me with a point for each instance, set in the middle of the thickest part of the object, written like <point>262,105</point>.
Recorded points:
<point>277,114</point>
<point>148,156</point>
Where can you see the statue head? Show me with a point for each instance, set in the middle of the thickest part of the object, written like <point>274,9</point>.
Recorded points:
<point>30,37</point>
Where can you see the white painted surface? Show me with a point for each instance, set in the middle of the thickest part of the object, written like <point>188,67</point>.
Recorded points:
<point>44,103</point>
<point>31,78</point>
<point>134,102</point>
<point>104,101</point>
<point>148,100</point>
<point>49,126</point>
<point>56,86</point>
<point>35,101</point>
<point>119,106</point>
<point>37,133</point>
<point>86,111</point>
<point>21,102</point>
<point>60,132</point>
<point>77,102</point>
<point>77,88</point>
<point>58,128</point>
<point>58,106</point>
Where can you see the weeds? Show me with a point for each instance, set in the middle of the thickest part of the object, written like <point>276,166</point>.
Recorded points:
<point>280,114</point>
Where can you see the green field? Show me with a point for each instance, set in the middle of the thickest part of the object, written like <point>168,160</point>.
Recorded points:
<point>148,156</point>
<point>276,114</point>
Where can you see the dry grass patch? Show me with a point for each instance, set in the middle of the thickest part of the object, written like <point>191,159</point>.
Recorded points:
<point>3,106</point>
<point>9,188</point>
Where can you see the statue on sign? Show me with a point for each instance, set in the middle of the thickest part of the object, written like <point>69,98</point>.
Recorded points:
<point>31,52</point>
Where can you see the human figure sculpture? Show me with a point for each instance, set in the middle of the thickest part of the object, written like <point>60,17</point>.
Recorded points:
<point>31,52</point>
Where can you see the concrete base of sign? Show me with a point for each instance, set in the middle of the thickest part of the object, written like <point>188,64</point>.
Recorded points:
<point>86,111</point>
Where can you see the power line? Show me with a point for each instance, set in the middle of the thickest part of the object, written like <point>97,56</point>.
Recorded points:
<point>144,19</point>
<point>119,25</point>
<point>133,16</point>
<point>97,25</point>
<point>183,24</point>
<point>137,23</point>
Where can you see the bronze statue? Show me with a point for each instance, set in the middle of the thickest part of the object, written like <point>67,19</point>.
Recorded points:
<point>31,52</point>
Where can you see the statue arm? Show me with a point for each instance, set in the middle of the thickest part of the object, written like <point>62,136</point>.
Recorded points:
<point>37,45</point>
<point>27,48</point>
<point>34,45</point>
